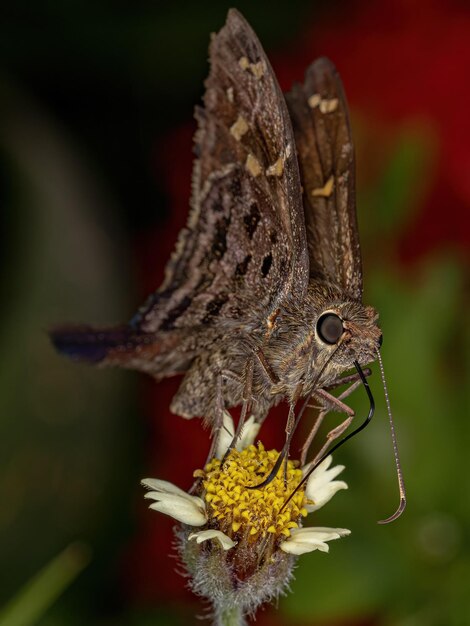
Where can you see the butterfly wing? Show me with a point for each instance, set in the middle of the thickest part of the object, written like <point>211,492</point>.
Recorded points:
<point>244,247</point>
<point>322,130</point>
<point>245,242</point>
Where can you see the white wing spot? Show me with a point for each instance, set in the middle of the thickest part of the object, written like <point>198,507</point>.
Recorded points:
<point>328,106</point>
<point>324,104</point>
<point>326,190</point>
<point>244,63</point>
<point>276,168</point>
<point>257,69</point>
<point>253,166</point>
<point>239,128</point>
<point>314,100</point>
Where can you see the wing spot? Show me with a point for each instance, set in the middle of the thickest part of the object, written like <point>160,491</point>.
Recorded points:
<point>236,187</point>
<point>277,168</point>
<point>257,69</point>
<point>267,262</point>
<point>253,166</point>
<point>214,307</point>
<point>176,312</point>
<point>219,245</point>
<point>326,190</point>
<point>229,93</point>
<point>244,63</point>
<point>326,105</point>
<point>242,267</point>
<point>252,220</point>
<point>239,128</point>
<point>314,100</point>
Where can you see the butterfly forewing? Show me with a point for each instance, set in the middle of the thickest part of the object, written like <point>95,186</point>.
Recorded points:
<point>245,244</point>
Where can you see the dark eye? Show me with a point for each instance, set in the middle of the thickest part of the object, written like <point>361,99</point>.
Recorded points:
<point>329,328</point>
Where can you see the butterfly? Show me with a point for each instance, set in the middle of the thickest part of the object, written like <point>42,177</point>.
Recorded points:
<point>262,298</point>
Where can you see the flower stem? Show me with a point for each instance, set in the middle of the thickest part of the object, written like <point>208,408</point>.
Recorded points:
<point>230,616</point>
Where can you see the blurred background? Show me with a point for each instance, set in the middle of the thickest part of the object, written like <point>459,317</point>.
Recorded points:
<point>96,127</point>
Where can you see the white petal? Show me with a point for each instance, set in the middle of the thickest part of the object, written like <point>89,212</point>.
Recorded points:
<point>322,474</point>
<point>323,533</point>
<point>304,540</point>
<point>298,548</point>
<point>327,475</point>
<point>320,486</point>
<point>163,486</point>
<point>159,495</point>
<point>192,500</point>
<point>249,433</point>
<point>323,495</point>
<point>324,465</point>
<point>191,512</point>
<point>226,435</point>
<point>222,538</point>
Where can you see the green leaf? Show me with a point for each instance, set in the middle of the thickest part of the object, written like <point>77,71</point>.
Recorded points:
<point>40,593</point>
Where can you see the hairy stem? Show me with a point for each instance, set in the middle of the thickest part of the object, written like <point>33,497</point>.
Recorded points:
<point>230,616</point>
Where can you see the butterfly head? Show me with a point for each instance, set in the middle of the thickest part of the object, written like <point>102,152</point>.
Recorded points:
<point>344,333</point>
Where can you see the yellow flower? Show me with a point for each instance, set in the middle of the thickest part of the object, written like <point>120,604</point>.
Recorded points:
<point>238,543</point>
<point>232,513</point>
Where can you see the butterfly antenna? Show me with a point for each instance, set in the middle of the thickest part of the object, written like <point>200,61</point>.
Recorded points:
<point>401,484</point>
<point>344,439</point>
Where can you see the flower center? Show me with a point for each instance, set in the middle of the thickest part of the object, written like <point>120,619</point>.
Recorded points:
<point>252,512</point>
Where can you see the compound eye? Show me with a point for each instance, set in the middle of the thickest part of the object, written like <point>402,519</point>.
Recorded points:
<point>330,328</point>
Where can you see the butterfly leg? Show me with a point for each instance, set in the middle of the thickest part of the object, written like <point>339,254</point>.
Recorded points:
<point>217,425</point>
<point>335,404</point>
<point>218,421</point>
<point>290,427</point>
<point>292,423</point>
<point>246,405</point>
<point>311,436</point>
<point>265,366</point>
<point>346,380</point>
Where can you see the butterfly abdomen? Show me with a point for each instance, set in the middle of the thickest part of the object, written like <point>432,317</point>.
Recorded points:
<point>83,343</point>
<point>158,354</point>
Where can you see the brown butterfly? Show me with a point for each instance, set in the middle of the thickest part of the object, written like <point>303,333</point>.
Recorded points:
<point>262,297</point>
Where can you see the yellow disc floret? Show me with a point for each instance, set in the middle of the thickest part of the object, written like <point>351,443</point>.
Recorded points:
<point>234,508</point>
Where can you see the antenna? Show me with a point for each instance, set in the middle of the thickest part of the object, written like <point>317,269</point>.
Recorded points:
<point>401,484</point>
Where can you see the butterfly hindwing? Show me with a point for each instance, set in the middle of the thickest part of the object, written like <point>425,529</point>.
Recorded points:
<point>325,150</point>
